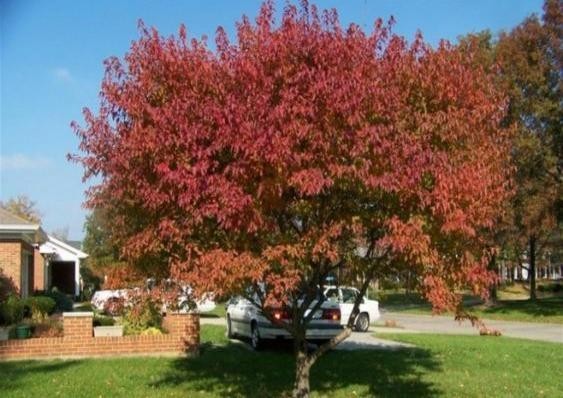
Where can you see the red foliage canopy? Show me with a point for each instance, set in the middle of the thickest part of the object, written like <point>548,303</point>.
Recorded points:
<point>299,148</point>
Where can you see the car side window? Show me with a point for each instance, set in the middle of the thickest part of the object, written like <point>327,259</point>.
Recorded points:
<point>348,296</point>
<point>332,295</point>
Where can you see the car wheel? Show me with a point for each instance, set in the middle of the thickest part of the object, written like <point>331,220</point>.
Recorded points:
<point>230,333</point>
<point>362,323</point>
<point>255,340</point>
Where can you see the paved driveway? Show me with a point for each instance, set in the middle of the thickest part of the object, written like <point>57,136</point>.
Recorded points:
<point>446,324</point>
<point>357,341</point>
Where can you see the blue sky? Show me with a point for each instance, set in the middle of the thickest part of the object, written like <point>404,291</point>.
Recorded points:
<point>51,55</point>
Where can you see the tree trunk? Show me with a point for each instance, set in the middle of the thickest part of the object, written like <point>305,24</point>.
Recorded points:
<point>301,388</point>
<point>493,288</point>
<point>532,268</point>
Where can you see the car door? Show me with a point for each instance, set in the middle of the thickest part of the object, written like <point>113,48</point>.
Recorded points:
<point>237,315</point>
<point>348,297</point>
<point>346,305</point>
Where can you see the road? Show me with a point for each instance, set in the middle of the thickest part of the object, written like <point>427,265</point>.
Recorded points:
<point>414,323</point>
<point>446,324</point>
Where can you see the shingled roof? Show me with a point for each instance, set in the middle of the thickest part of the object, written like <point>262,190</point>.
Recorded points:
<point>15,227</point>
<point>8,218</point>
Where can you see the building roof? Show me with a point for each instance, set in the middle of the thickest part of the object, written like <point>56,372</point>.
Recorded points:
<point>77,244</point>
<point>62,250</point>
<point>15,227</point>
<point>11,219</point>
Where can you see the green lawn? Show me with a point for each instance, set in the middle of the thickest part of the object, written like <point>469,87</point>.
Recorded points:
<point>219,312</point>
<point>439,366</point>
<point>546,309</point>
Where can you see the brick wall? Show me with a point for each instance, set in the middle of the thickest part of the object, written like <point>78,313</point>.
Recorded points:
<point>39,271</point>
<point>10,260</point>
<point>78,341</point>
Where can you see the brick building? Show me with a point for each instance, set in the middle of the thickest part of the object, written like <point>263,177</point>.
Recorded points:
<point>19,251</point>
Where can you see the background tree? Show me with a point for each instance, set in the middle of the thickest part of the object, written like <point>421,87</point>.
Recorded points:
<point>531,59</point>
<point>23,207</point>
<point>61,233</point>
<point>98,242</point>
<point>103,263</point>
<point>262,167</point>
<point>528,63</point>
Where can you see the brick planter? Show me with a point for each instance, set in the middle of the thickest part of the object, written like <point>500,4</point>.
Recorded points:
<point>79,341</point>
<point>108,331</point>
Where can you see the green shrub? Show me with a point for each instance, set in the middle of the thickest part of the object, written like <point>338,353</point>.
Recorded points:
<point>7,286</point>
<point>151,332</point>
<point>62,301</point>
<point>11,310</point>
<point>144,313</point>
<point>39,307</point>
<point>48,328</point>
<point>100,320</point>
<point>91,283</point>
<point>551,287</point>
<point>86,307</point>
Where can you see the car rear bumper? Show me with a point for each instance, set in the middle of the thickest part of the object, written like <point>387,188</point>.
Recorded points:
<point>314,332</point>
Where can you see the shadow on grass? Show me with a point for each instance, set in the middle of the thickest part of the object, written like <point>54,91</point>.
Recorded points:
<point>12,377</point>
<point>209,315</point>
<point>231,370</point>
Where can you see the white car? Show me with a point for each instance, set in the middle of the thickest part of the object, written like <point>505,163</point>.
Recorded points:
<point>101,297</point>
<point>205,304</point>
<point>345,297</point>
<point>244,319</point>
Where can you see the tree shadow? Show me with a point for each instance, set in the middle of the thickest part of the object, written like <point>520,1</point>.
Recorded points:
<point>231,370</point>
<point>209,315</point>
<point>14,375</point>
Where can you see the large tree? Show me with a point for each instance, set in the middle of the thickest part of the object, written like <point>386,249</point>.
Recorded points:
<point>528,63</point>
<point>262,166</point>
<point>531,61</point>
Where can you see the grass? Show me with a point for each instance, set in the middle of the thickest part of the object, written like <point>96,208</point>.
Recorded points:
<point>218,312</point>
<point>512,306</point>
<point>439,366</point>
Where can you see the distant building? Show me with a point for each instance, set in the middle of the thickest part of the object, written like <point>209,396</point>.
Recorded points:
<point>35,261</point>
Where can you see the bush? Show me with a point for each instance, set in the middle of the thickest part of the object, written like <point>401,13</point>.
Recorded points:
<point>151,332</point>
<point>48,328</point>
<point>551,287</point>
<point>115,306</point>
<point>62,301</point>
<point>39,307</point>
<point>91,283</point>
<point>7,286</point>
<point>391,283</point>
<point>143,314</point>
<point>100,320</point>
<point>86,307</point>
<point>11,310</point>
